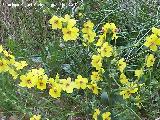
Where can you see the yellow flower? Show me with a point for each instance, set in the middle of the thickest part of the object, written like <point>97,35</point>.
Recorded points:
<point>1,48</point>
<point>28,80</point>
<point>106,50</point>
<point>70,33</point>
<point>8,55</point>
<point>156,31</point>
<point>139,73</point>
<point>55,91</point>
<point>121,64</point>
<point>81,82</point>
<point>89,37</point>
<point>20,65</point>
<point>5,53</point>
<point>96,113</point>
<point>109,28</point>
<point>129,89</point>
<point>100,40</point>
<point>152,42</point>
<point>123,78</point>
<point>88,26</point>
<point>97,61</point>
<point>38,72</point>
<point>42,81</point>
<point>56,22</point>
<point>106,116</point>
<point>36,117</point>
<point>68,85</point>
<point>95,76</point>
<point>13,73</point>
<point>150,60</point>
<point>70,22</point>
<point>3,65</point>
<point>94,88</point>
<point>11,62</point>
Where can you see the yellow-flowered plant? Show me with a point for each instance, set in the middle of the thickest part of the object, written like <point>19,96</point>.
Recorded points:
<point>88,33</point>
<point>123,79</point>
<point>94,88</point>
<point>101,40</point>
<point>97,61</point>
<point>9,64</point>
<point>55,90</point>
<point>70,33</point>
<point>96,76</point>
<point>42,81</point>
<point>121,65</point>
<point>150,60</point>
<point>128,89</point>
<point>153,41</point>
<point>81,82</point>
<point>96,113</point>
<point>106,116</point>
<point>103,53</point>
<point>68,85</point>
<point>67,25</point>
<point>110,28</point>
<point>106,50</point>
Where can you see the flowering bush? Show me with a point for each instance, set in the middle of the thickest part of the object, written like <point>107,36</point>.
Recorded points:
<point>94,78</point>
<point>105,60</point>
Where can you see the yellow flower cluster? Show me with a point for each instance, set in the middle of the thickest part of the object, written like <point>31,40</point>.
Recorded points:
<point>105,115</point>
<point>129,89</point>
<point>9,64</point>
<point>68,85</point>
<point>153,41</point>
<point>104,50</point>
<point>34,77</point>
<point>67,25</point>
<point>88,33</point>
<point>38,78</point>
<point>110,28</point>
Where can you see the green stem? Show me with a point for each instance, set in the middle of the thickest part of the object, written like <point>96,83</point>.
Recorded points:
<point>134,112</point>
